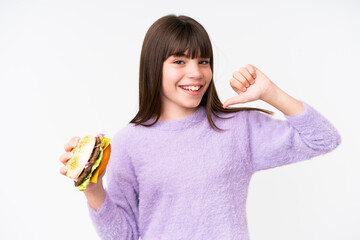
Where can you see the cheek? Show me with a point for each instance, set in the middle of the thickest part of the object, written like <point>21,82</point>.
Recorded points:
<point>170,76</point>
<point>169,81</point>
<point>208,76</point>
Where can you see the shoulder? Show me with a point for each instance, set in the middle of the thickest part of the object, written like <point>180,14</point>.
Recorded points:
<point>130,134</point>
<point>241,117</point>
<point>122,133</point>
<point>258,118</point>
<point>126,133</point>
<point>122,142</point>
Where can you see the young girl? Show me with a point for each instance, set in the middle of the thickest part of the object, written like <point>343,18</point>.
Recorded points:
<point>182,167</point>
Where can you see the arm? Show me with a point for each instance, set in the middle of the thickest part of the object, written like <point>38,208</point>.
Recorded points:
<point>95,194</point>
<point>273,142</point>
<point>117,215</point>
<point>282,101</point>
<point>114,211</point>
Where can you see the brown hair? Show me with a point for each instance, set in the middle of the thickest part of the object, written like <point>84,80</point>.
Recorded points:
<point>174,35</point>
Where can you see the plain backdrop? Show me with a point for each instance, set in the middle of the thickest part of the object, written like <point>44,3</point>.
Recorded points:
<point>71,68</point>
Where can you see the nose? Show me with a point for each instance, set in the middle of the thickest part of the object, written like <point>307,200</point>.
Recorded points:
<point>194,70</point>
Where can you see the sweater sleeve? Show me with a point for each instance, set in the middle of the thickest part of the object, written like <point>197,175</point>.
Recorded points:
<point>117,218</point>
<point>276,142</point>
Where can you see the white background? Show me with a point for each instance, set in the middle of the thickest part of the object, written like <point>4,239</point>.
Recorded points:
<point>71,68</point>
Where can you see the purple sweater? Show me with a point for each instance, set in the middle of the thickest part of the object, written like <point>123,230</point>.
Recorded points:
<point>181,179</point>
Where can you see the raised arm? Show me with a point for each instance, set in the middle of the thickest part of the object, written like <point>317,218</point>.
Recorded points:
<point>305,134</point>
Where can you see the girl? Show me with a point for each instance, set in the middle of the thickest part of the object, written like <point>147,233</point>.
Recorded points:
<point>181,168</point>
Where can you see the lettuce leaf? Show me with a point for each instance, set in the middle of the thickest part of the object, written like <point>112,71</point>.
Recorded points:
<point>86,181</point>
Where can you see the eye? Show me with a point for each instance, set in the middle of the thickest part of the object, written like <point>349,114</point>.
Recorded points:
<point>179,62</point>
<point>204,62</point>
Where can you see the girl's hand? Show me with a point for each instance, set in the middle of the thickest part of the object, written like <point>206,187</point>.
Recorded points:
<point>64,158</point>
<point>250,84</point>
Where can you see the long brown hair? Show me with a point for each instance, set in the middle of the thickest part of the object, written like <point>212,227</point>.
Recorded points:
<point>174,35</point>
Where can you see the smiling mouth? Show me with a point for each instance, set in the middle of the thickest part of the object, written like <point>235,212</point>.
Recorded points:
<point>191,88</point>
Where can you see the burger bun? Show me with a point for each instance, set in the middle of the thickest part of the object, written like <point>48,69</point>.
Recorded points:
<point>80,156</point>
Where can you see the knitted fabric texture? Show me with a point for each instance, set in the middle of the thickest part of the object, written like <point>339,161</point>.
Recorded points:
<point>181,179</point>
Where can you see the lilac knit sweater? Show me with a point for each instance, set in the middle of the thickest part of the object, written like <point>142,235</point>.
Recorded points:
<point>181,179</point>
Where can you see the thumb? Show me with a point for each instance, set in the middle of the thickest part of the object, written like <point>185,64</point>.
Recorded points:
<point>234,100</point>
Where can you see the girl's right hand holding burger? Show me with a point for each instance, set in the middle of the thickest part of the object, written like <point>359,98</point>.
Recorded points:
<point>64,158</point>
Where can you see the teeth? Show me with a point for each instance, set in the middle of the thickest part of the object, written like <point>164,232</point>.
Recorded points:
<point>191,88</point>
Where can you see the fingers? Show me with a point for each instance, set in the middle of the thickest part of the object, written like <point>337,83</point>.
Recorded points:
<point>252,70</point>
<point>237,86</point>
<point>239,81</point>
<point>64,158</point>
<point>234,100</point>
<point>63,170</point>
<point>243,78</point>
<point>71,144</point>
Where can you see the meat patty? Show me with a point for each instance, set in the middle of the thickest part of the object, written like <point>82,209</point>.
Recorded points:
<point>94,156</point>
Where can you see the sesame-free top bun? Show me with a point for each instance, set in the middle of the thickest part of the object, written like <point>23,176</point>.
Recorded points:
<point>81,155</point>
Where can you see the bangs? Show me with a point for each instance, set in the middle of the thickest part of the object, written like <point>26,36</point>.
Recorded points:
<point>189,41</point>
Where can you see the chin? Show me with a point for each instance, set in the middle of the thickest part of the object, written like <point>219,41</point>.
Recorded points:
<point>192,107</point>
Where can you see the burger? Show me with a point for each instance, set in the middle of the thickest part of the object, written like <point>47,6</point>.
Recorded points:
<point>89,160</point>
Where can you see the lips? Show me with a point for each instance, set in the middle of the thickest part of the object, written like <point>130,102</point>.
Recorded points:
<point>192,89</point>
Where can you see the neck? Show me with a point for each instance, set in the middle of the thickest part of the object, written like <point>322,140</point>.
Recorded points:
<point>175,114</point>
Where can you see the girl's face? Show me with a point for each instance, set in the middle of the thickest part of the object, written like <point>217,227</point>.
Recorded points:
<point>184,82</point>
